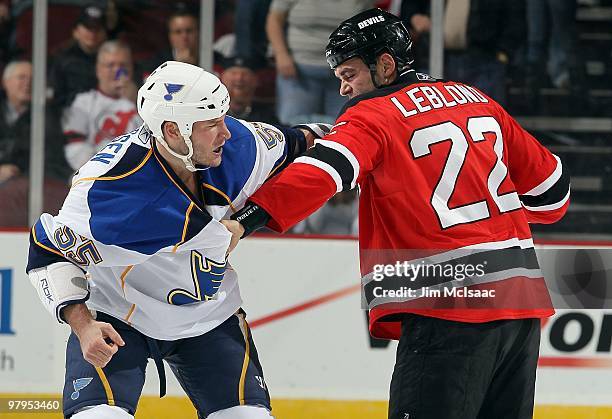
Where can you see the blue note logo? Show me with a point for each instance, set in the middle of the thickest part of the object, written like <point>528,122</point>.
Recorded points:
<point>172,89</point>
<point>207,276</point>
<point>79,384</point>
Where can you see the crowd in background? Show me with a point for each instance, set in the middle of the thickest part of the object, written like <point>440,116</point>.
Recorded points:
<point>269,53</point>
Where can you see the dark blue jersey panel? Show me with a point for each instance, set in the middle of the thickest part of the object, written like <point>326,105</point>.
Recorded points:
<point>239,155</point>
<point>144,211</point>
<point>42,251</point>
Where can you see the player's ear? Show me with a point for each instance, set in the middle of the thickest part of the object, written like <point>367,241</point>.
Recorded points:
<point>170,130</point>
<point>388,65</point>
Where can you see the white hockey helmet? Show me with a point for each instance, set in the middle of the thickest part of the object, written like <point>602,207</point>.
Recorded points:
<point>184,94</point>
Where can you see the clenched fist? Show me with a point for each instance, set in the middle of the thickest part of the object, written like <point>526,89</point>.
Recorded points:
<point>237,231</point>
<point>99,340</point>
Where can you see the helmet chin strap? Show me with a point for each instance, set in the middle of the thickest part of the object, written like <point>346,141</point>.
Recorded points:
<point>387,82</point>
<point>373,76</point>
<point>377,85</point>
<point>186,158</point>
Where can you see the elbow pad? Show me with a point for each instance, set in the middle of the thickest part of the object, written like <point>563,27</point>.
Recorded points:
<point>58,285</point>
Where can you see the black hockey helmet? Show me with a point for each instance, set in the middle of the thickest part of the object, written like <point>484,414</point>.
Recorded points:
<point>367,35</point>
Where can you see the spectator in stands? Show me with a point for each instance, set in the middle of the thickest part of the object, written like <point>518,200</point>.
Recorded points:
<point>99,115</point>
<point>184,36</point>
<point>74,69</point>
<point>251,41</point>
<point>479,38</point>
<point>306,88</point>
<point>551,30</point>
<point>241,81</point>
<point>15,127</point>
<point>15,149</point>
<point>16,81</point>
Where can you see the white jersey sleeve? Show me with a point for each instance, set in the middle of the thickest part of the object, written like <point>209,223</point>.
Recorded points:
<point>255,152</point>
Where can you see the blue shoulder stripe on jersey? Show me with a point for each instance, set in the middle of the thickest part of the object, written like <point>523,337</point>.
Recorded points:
<point>143,212</point>
<point>239,155</point>
<point>133,156</point>
<point>42,252</point>
<point>39,236</point>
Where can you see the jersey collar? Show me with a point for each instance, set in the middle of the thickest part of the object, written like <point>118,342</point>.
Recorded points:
<point>198,201</point>
<point>405,79</point>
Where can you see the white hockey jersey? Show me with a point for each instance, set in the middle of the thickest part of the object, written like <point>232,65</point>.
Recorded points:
<point>155,254</point>
<point>92,121</point>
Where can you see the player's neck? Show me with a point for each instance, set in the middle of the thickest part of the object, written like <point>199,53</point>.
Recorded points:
<point>178,167</point>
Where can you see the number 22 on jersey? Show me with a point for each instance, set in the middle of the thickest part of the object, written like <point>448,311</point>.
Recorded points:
<point>420,144</point>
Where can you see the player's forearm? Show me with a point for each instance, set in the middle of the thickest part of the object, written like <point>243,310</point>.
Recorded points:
<point>77,316</point>
<point>275,25</point>
<point>293,195</point>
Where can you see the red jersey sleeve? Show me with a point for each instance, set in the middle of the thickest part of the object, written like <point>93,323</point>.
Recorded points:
<point>540,179</point>
<point>336,163</point>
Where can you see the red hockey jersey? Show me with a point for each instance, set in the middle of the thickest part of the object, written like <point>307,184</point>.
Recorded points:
<point>441,168</point>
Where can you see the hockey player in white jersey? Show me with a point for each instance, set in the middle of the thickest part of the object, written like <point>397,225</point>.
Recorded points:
<point>135,261</point>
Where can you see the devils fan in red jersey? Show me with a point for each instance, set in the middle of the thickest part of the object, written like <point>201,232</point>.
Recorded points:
<point>449,183</point>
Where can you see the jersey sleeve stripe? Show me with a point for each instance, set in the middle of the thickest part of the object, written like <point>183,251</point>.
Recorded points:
<point>325,167</point>
<point>346,153</point>
<point>549,182</point>
<point>49,247</point>
<point>553,197</point>
<point>339,124</point>
<point>337,160</point>
<point>549,207</point>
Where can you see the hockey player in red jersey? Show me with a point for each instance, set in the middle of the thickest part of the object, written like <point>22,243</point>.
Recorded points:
<point>444,172</point>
